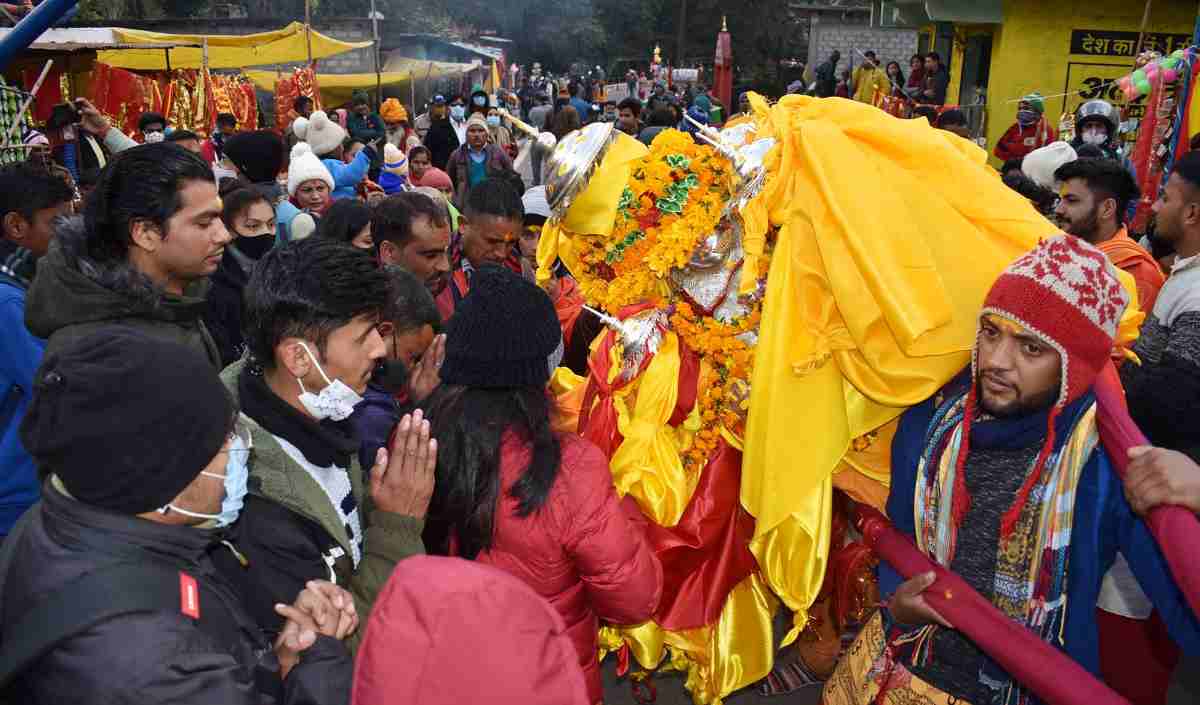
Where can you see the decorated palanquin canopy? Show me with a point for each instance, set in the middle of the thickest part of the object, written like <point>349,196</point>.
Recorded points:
<point>853,253</point>
<point>225,51</point>
<point>190,99</point>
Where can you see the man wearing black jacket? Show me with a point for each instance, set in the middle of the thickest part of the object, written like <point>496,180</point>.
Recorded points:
<point>311,317</point>
<point>127,511</point>
<point>442,138</point>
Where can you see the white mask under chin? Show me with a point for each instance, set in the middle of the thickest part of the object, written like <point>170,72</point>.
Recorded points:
<point>336,401</point>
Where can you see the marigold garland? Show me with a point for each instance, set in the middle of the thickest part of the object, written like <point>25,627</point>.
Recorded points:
<point>732,360</point>
<point>674,198</point>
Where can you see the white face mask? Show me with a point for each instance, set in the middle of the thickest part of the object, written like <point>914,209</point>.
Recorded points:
<point>336,401</point>
<point>1095,135</point>
<point>154,137</point>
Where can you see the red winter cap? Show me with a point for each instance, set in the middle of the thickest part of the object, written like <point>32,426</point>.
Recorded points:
<point>1065,292</point>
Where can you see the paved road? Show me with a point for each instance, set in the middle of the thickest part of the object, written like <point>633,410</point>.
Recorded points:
<point>671,692</point>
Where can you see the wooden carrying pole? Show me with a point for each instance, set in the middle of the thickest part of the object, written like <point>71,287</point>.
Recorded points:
<point>378,74</point>
<point>1142,32</point>
<point>14,133</point>
<point>308,29</point>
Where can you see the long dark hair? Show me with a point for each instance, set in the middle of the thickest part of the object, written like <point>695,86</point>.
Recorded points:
<point>469,424</point>
<point>344,220</point>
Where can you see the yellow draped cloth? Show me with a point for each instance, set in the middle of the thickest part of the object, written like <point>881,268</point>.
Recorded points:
<point>225,51</point>
<point>890,234</point>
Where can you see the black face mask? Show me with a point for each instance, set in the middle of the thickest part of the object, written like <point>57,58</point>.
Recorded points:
<point>390,376</point>
<point>254,247</point>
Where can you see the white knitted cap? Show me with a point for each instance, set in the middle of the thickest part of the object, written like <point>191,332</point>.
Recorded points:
<point>1040,164</point>
<point>306,167</point>
<point>303,225</point>
<point>323,134</point>
<point>300,128</point>
<point>394,161</point>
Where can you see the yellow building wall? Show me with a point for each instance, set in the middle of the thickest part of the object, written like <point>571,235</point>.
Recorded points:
<point>1031,51</point>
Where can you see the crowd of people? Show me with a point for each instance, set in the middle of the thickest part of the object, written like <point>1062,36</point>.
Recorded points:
<point>251,379</point>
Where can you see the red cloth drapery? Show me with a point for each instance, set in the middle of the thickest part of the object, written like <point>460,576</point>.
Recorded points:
<point>707,553</point>
<point>723,71</point>
<point>124,96</point>
<point>301,82</point>
<point>1144,156</point>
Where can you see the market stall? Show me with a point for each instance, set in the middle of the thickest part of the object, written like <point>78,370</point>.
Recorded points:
<point>336,88</point>
<point>126,72</point>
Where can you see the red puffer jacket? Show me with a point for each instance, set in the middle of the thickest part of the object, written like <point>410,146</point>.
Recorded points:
<point>585,551</point>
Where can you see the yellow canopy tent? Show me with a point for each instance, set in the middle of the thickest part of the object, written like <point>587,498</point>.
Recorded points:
<point>225,51</point>
<point>336,88</point>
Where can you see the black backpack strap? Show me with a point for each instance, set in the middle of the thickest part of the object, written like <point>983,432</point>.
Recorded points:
<point>111,591</point>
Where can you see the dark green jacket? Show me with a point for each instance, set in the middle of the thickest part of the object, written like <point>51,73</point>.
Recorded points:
<point>291,533</point>
<point>73,295</point>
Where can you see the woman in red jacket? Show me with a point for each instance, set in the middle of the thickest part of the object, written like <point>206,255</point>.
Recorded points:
<point>513,494</point>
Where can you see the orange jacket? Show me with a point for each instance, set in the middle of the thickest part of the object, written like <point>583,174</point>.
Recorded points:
<point>1126,254</point>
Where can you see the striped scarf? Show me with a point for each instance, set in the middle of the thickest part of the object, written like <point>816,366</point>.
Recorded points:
<point>1031,564</point>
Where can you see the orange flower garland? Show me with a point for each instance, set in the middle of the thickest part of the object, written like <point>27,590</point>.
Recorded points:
<point>732,360</point>
<point>673,199</point>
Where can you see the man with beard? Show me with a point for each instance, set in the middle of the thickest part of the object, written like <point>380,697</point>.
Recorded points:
<point>412,231</point>
<point>1092,205</point>
<point>1164,389</point>
<point>1001,479</point>
<point>489,233</point>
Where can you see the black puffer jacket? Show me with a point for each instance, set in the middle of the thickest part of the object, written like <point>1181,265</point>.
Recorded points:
<point>441,140</point>
<point>160,655</point>
<point>223,312</point>
<point>73,295</point>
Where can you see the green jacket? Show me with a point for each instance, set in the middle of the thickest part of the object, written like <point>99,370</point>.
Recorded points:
<point>291,533</point>
<point>73,295</point>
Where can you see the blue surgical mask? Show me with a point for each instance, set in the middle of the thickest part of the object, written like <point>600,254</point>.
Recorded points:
<point>493,120</point>
<point>237,472</point>
<point>458,112</point>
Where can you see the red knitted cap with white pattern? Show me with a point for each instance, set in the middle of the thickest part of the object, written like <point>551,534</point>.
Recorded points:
<point>1065,292</point>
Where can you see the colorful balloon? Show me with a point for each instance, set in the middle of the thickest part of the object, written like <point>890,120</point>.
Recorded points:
<point>1143,86</point>
<point>1170,75</point>
<point>1178,54</point>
